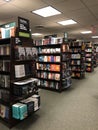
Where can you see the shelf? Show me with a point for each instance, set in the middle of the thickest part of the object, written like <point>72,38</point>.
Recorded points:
<point>75,65</point>
<point>46,54</point>
<point>4,119</point>
<point>23,61</point>
<point>4,103</point>
<point>49,79</point>
<point>78,70</point>
<point>8,89</point>
<point>5,41</point>
<point>49,46</point>
<point>49,71</point>
<point>4,57</point>
<point>22,78</point>
<point>48,62</point>
<point>4,73</point>
<point>76,59</point>
<point>48,88</point>
<point>75,47</point>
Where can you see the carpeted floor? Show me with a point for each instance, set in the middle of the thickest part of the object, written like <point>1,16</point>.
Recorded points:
<point>73,109</point>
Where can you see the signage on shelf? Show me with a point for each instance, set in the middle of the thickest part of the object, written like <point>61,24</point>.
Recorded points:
<point>23,26</point>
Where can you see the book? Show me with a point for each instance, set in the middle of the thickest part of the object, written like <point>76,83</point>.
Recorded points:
<point>57,59</point>
<point>1,65</point>
<point>19,71</point>
<point>28,51</point>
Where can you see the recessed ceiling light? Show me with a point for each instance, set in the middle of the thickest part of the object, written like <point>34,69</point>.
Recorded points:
<point>86,32</point>
<point>36,34</point>
<point>94,36</point>
<point>67,22</point>
<point>7,0</point>
<point>46,12</point>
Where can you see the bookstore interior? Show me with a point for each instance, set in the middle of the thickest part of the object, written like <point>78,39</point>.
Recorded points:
<point>28,65</point>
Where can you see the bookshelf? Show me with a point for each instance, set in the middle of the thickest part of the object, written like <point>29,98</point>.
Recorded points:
<point>77,59</point>
<point>52,64</point>
<point>96,53</point>
<point>19,96</point>
<point>89,54</point>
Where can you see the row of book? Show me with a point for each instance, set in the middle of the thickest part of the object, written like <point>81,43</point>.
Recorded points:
<point>23,70</point>
<point>88,59</point>
<point>49,58</point>
<point>22,53</point>
<point>26,107</point>
<point>48,75</point>
<point>75,50</point>
<point>77,75</point>
<point>5,65</point>
<point>75,44</point>
<point>25,87</point>
<point>4,111</point>
<point>49,50</point>
<point>88,55</point>
<point>55,85</point>
<point>48,41</point>
<point>49,84</point>
<point>49,67</point>
<point>88,50</point>
<point>75,56</point>
<point>5,50</point>
<point>5,81</point>
<point>77,68</point>
<point>75,62</point>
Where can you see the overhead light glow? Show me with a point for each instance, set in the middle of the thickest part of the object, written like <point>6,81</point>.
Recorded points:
<point>46,12</point>
<point>7,0</point>
<point>86,32</point>
<point>36,34</point>
<point>67,22</point>
<point>94,36</point>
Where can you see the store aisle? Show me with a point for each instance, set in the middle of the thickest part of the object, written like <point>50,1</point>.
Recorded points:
<point>74,109</point>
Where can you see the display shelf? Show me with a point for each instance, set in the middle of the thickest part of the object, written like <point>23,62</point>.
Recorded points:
<point>8,97</point>
<point>89,54</point>
<point>53,63</point>
<point>77,62</point>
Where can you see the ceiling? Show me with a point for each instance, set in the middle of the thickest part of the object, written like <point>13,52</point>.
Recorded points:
<point>84,12</point>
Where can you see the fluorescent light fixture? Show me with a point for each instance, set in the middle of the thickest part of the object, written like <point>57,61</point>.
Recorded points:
<point>46,12</point>
<point>86,32</point>
<point>36,34</point>
<point>67,22</point>
<point>94,36</point>
<point>7,0</point>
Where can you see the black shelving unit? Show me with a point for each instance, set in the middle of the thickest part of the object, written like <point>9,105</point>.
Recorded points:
<point>77,59</point>
<point>89,57</point>
<point>17,82</point>
<point>52,65</point>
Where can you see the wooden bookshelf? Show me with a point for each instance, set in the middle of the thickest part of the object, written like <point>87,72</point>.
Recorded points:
<point>53,64</point>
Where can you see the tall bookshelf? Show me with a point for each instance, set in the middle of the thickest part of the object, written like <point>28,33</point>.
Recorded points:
<point>18,87</point>
<point>19,96</point>
<point>89,55</point>
<point>77,59</point>
<point>52,65</point>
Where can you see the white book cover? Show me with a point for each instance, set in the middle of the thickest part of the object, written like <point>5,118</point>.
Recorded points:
<point>19,71</point>
<point>57,58</point>
<point>21,51</point>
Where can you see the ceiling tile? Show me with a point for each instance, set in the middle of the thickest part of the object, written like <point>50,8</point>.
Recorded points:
<point>8,11</point>
<point>90,2</point>
<point>29,5</point>
<point>67,6</point>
